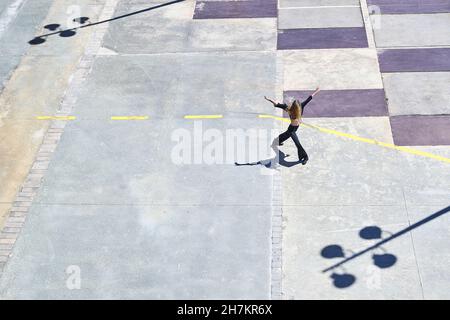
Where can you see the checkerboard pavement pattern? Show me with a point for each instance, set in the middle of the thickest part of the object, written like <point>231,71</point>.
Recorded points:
<point>403,74</point>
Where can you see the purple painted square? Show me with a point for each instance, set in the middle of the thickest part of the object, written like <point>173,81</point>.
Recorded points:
<point>421,130</point>
<point>408,6</point>
<point>322,38</point>
<point>342,103</point>
<point>236,9</point>
<point>414,60</point>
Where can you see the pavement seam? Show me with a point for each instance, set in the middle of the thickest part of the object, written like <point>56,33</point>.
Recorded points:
<point>413,246</point>
<point>16,217</point>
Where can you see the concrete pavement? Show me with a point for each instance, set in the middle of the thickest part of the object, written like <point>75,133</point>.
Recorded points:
<point>156,208</point>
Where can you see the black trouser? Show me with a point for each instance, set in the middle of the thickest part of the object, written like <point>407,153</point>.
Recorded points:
<point>290,133</point>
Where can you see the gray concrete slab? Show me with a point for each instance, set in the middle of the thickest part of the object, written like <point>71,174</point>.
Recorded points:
<point>431,188</point>
<point>232,35</point>
<point>137,163</point>
<point>7,65</point>
<point>310,226</point>
<point>332,69</point>
<point>173,85</point>
<point>58,46</point>
<point>27,22</point>
<point>309,230</point>
<point>319,17</point>
<point>18,20</point>
<point>346,172</point>
<point>378,175</point>
<point>412,30</point>
<point>35,87</point>
<point>177,32</point>
<point>318,215</point>
<point>429,241</point>
<point>117,206</point>
<point>140,158</point>
<point>8,12</point>
<point>142,252</point>
<point>4,5</point>
<point>424,93</point>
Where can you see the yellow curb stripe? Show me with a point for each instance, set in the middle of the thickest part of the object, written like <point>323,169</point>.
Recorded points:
<point>129,118</point>
<point>56,118</point>
<point>366,140</point>
<point>211,116</point>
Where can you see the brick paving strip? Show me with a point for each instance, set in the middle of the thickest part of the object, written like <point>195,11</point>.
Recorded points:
<point>276,263</point>
<point>16,217</point>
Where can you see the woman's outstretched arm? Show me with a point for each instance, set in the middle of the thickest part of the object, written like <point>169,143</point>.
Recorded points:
<point>277,105</point>
<point>270,100</point>
<point>315,92</point>
<point>304,103</point>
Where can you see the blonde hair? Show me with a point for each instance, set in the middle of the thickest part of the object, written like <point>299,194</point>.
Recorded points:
<point>295,111</point>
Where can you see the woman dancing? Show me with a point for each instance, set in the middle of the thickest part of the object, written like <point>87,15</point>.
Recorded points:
<point>295,111</point>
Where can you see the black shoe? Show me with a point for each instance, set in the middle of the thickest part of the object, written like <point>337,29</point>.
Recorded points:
<point>304,160</point>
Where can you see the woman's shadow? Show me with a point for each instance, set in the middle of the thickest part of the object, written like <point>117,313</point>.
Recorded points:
<point>272,163</point>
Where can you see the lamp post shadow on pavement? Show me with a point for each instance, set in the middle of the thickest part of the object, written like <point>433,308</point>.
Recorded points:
<point>382,260</point>
<point>83,20</point>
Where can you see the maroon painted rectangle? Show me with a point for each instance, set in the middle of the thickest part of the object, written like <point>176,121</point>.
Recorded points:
<point>408,6</point>
<point>414,60</point>
<point>342,103</point>
<point>421,130</point>
<point>236,9</point>
<point>322,38</point>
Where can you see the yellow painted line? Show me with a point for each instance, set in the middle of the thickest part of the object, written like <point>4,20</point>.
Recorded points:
<point>130,118</point>
<point>366,140</point>
<point>274,117</point>
<point>56,118</point>
<point>211,116</point>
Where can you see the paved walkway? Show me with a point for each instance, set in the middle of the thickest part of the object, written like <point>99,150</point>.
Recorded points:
<point>129,198</point>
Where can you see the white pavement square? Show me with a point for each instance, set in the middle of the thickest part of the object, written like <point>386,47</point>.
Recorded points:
<point>322,17</point>
<point>331,69</point>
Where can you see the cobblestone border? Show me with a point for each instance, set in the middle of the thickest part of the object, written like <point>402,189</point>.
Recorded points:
<point>276,267</point>
<point>276,239</point>
<point>17,215</point>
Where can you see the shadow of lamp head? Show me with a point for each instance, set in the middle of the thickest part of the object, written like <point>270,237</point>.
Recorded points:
<point>36,41</point>
<point>385,260</point>
<point>81,20</point>
<point>332,251</point>
<point>67,33</point>
<point>52,27</point>
<point>343,281</point>
<point>371,233</point>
